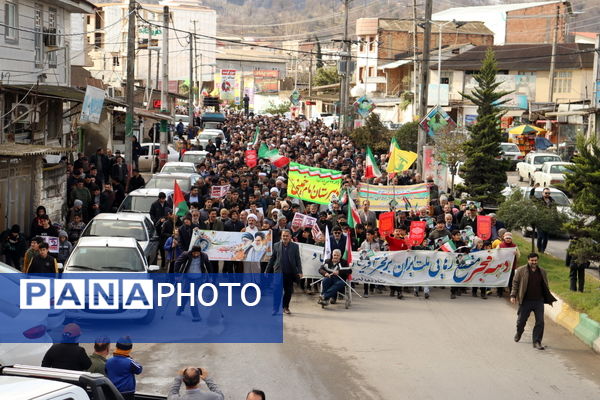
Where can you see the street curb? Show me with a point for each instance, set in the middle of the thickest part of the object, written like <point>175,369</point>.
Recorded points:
<point>555,309</point>
<point>568,318</point>
<point>588,330</point>
<point>580,325</point>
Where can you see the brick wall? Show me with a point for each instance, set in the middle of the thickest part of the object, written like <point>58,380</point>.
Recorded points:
<point>393,42</point>
<point>536,24</point>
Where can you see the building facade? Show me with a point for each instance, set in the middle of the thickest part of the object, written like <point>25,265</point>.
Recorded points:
<point>109,42</point>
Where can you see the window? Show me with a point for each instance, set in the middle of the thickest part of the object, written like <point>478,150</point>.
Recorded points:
<point>531,73</point>
<point>11,22</point>
<point>361,45</point>
<point>38,38</point>
<point>371,71</point>
<point>446,77</point>
<point>89,19</point>
<point>562,81</point>
<point>361,74</point>
<point>371,44</point>
<point>52,63</point>
<point>116,61</point>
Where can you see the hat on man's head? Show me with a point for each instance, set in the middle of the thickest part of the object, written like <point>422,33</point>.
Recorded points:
<point>72,330</point>
<point>124,343</point>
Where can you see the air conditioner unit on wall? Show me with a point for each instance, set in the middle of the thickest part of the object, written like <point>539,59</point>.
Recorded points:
<point>25,113</point>
<point>52,38</point>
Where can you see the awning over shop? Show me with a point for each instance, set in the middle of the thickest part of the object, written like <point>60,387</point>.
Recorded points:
<point>514,113</point>
<point>152,115</point>
<point>566,113</point>
<point>395,64</point>
<point>65,93</point>
<point>28,150</point>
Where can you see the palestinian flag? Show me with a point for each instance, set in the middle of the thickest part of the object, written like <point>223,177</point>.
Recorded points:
<point>181,207</point>
<point>353,217</point>
<point>372,171</point>
<point>254,141</point>
<point>273,155</point>
<point>449,247</point>
<point>348,251</point>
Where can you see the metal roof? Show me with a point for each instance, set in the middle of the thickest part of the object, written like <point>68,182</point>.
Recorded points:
<point>29,150</point>
<point>525,57</point>
<point>61,92</point>
<point>407,25</point>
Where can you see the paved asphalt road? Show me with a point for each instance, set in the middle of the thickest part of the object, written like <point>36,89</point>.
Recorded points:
<point>384,348</point>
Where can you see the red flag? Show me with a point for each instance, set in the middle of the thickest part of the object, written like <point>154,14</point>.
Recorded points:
<point>484,227</point>
<point>417,232</point>
<point>386,223</point>
<point>251,158</point>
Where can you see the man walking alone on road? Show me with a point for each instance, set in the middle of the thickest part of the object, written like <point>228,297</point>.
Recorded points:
<point>530,289</point>
<point>286,260</point>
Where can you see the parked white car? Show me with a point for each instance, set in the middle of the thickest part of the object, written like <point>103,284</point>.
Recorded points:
<point>126,225</point>
<point>109,254</point>
<point>208,134</point>
<point>194,156</point>
<point>511,152</point>
<point>167,181</point>
<point>33,324</point>
<point>533,162</point>
<point>179,167</point>
<point>552,173</point>
<point>141,200</point>
<point>148,155</point>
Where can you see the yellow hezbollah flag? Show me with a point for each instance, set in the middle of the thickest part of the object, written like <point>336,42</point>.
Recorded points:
<point>399,160</point>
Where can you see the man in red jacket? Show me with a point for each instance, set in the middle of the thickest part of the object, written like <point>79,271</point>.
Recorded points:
<point>395,243</point>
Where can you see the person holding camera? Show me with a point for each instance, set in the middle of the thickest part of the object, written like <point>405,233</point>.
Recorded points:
<point>191,377</point>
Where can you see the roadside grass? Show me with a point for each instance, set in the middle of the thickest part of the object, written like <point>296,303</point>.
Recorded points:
<point>587,302</point>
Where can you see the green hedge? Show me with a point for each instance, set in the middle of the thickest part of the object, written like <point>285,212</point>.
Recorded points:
<point>558,275</point>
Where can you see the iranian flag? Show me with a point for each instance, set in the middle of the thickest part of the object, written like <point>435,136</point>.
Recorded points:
<point>181,207</point>
<point>372,171</point>
<point>353,217</point>
<point>348,251</point>
<point>449,247</point>
<point>254,141</point>
<point>273,155</point>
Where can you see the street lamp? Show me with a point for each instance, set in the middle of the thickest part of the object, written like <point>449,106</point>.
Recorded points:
<point>441,25</point>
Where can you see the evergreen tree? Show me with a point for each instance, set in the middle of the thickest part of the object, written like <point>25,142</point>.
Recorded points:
<point>320,63</point>
<point>484,170</point>
<point>373,133</point>
<point>584,183</point>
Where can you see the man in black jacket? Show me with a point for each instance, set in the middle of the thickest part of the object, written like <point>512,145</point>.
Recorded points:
<point>335,272</point>
<point>286,260</point>
<point>68,354</point>
<point>158,208</point>
<point>43,263</point>
<point>193,262</point>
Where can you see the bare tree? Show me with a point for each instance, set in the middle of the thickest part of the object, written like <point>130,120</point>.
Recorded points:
<point>450,150</point>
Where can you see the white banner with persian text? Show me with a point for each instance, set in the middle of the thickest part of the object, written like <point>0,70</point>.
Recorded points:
<point>234,246</point>
<point>486,268</point>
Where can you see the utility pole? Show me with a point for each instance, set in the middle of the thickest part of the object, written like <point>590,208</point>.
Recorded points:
<point>129,87</point>
<point>347,55</point>
<point>424,81</point>
<point>191,91</point>
<point>594,119</point>
<point>415,64</point>
<point>196,98</point>
<point>553,57</point>
<point>310,67</point>
<point>162,158</point>
<point>149,80</point>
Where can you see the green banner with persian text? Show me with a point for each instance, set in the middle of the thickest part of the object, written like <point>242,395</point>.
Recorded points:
<point>316,185</point>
